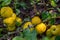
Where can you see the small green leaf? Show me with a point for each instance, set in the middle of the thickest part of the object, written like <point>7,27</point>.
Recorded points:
<point>18,24</point>
<point>23,4</point>
<point>18,38</point>
<point>34,33</point>
<point>26,32</point>
<point>17,11</point>
<point>32,2</point>
<point>52,21</point>
<point>58,15</point>
<point>56,1</point>
<point>28,35</point>
<point>6,2</point>
<point>45,38</point>
<point>53,4</point>
<point>46,15</point>
<point>57,37</point>
<point>58,9</point>
<point>37,0</point>
<point>1,35</point>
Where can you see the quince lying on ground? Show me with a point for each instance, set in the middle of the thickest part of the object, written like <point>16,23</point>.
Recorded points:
<point>6,12</point>
<point>40,28</point>
<point>54,30</point>
<point>10,20</point>
<point>28,25</point>
<point>36,20</point>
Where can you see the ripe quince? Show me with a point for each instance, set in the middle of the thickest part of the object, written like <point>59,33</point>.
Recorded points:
<point>10,20</point>
<point>40,28</point>
<point>6,12</point>
<point>54,30</point>
<point>36,20</point>
<point>27,25</point>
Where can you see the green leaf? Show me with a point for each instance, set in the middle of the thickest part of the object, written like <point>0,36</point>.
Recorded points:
<point>28,35</point>
<point>17,11</point>
<point>34,1</point>
<point>45,38</point>
<point>18,24</point>
<point>34,33</point>
<point>46,15</point>
<point>58,15</point>
<point>56,1</point>
<point>6,2</point>
<point>57,37</point>
<point>18,38</point>
<point>54,15</point>
<point>37,0</point>
<point>23,4</point>
<point>26,32</point>
<point>53,3</point>
<point>58,9</point>
<point>52,21</point>
<point>1,35</point>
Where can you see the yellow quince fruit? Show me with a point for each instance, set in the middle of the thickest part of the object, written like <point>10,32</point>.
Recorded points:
<point>54,30</point>
<point>36,20</point>
<point>40,28</point>
<point>10,20</point>
<point>6,12</point>
<point>26,25</point>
